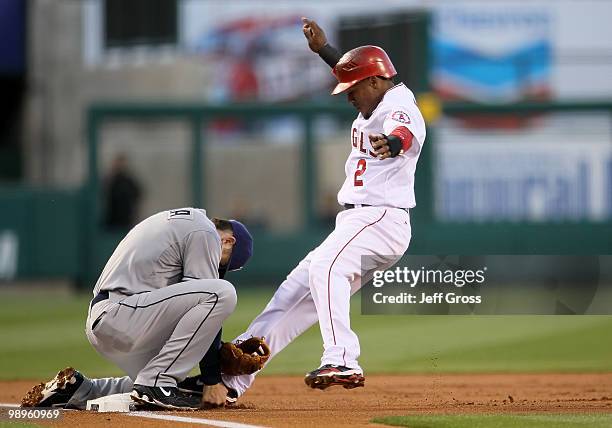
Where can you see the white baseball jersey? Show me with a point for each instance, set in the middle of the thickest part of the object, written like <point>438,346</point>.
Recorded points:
<point>388,182</point>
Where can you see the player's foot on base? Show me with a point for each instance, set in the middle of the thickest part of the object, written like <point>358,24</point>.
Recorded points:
<point>55,393</point>
<point>193,385</point>
<point>166,397</point>
<point>330,375</point>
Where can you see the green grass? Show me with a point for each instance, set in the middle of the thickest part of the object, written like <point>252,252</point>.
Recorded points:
<point>42,333</point>
<point>600,420</point>
<point>12,424</point>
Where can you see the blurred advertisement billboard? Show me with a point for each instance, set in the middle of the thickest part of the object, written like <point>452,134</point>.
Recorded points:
<point>559,170</point>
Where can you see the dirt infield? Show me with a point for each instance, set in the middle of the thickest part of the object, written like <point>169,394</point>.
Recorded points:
<point>285,401</point>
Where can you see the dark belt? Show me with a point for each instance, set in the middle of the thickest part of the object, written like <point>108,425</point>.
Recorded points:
<point>350,206</point>
<point>102,295</point>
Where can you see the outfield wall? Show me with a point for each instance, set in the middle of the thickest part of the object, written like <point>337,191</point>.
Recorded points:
<point>58,233</point>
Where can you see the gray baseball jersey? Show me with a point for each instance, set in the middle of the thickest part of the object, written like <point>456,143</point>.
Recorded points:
<point>166,303</point>
<point>166,248</point>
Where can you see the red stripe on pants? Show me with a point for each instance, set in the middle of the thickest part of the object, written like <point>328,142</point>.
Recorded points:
<point>332,265</point>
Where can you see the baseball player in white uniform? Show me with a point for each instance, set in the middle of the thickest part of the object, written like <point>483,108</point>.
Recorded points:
<point>385,141</point>
<point>157,310</point>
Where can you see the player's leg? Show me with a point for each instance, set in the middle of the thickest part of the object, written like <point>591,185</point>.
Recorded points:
<point>90,389</point>
<point>289,313</point>
<point>158,337</point>
<point>380,234</point>
<point>192,335</point>
<point>70,389</point>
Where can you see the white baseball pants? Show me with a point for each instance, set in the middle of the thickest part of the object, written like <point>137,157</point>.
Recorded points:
<point>319,288</point>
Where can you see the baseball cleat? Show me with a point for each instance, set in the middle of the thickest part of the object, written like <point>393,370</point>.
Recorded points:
<point>193,385</point>
<point>330,375</point>
<point>231,397</point>
<point>55,393</point>
<point>165,397</point>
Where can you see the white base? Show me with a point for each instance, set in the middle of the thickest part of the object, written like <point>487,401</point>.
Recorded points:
<point>112,403</point>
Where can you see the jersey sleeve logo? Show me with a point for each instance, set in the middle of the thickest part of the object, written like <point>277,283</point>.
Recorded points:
<point>401,116</point>
<point>184,214</point>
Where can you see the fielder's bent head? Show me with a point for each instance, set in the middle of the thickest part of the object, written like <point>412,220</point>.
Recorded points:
<point>365,74</point>
<point>236,245</point>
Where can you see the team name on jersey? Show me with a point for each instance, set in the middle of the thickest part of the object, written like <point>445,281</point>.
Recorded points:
<point>359,141</point>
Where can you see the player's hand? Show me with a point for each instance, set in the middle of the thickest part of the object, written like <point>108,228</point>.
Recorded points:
<point>213,396</point>
<point>314,34</point>
<point>380,146</point>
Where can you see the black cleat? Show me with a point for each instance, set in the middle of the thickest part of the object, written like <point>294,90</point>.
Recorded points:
<point>231,397</point>
<point>192,385</point>
<point>330,375</point>
<point>55,393</point>
<point>166,397</point>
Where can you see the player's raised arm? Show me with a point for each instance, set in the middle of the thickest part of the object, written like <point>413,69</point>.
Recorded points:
<point>317,42</point>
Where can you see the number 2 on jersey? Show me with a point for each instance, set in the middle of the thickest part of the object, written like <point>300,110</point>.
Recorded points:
<point>361,168</point>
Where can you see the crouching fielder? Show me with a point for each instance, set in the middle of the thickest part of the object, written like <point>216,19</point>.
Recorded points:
<point>157,308</point>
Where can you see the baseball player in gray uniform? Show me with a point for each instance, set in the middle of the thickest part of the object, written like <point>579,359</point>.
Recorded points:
<point>158,307</point>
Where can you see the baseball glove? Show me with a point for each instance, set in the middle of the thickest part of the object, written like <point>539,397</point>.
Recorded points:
<point>244,357</point>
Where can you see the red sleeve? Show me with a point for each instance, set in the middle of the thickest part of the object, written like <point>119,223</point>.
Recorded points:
<point>404,135</point>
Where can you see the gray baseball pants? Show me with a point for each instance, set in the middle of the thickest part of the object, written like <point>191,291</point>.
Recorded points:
<point>155,337</point>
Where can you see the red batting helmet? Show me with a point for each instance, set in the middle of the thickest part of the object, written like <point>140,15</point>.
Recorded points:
<point>360,63</point>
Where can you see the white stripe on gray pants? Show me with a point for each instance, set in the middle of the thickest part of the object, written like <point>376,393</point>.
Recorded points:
<point>156,337</point>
